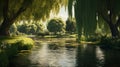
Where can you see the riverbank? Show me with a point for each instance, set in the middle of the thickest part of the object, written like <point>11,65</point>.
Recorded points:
<point>11,46</point>
<point>110,43</point>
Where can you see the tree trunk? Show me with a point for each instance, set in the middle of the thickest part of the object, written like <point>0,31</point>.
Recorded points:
<point>113,27</point>
<point>114,30</point>
<point>4,28</point>
<point>8,21</point>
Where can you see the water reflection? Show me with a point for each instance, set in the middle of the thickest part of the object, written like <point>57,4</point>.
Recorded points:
<point>100,57</point>
<point>85,56</point>
<point>53,46</point>
<point>48,56</point>
<point>51,54</point>
<point>112,58</point>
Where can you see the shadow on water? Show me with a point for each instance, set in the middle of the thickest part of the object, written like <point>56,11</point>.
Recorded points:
<point>89,56</point>
<point>94,56</point>
<point>51,54</point>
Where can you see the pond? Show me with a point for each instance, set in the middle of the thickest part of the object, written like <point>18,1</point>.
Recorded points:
<point>55,53</point>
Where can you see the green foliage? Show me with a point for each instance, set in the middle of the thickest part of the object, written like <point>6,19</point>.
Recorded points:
<point>71,25</point>
<point>35,9</point>
<point>103,25</point>
<point>40,27</point>
<point>12,49</point>
<point>22,28</point>
<point>86,12</point>
<point>22,46</point>
<point>3,59</point>
<point>109,43</point>
<point>16,43</point>
<point>9,49</point>
<point>12,10</point>
<point>56,25</point>
<point>30,28</point>
<point>70,5</point>
<point>13,29</point>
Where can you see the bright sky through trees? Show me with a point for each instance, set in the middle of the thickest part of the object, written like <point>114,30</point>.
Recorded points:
<point>63,13</point>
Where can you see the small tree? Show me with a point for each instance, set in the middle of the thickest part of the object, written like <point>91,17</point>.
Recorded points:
<point>71,25</point>
<point>56,25</point>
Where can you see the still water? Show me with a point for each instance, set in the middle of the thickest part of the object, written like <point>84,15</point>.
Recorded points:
<point>50,53</point>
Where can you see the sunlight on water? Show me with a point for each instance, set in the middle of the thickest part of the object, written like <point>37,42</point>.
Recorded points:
<point>100,57</point>
<point>47,57</point>
<point>52,54</point>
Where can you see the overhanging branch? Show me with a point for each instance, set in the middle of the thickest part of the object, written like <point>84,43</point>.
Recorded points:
<point>21,10</point>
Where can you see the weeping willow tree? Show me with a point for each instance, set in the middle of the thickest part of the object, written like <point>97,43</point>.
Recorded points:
<point>86,12</point>
<point>15,10</point>
<point>109,11</point>
<point>70,5</point>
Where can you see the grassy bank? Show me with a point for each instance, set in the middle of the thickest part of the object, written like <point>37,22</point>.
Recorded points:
<point>11,46</point>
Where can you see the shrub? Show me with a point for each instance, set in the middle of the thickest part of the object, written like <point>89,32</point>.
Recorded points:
<point>30,28</point>
<point>56,25</point>
<point>71,25</point>
<point>109,43</point>
<point>3,59</point>
<point>22,46</point>
<point>10,46</point>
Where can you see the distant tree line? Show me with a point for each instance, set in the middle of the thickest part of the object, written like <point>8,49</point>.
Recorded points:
<point>54,26</point>
<point>27,28</point>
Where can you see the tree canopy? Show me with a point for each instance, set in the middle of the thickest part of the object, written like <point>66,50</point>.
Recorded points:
<point>35,9</point>
<point>86,12</point>
<point>56,25</point>
<point>12,10</point>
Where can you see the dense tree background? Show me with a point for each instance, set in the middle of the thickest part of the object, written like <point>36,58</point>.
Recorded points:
<point>92,13</point>
<point>89,14</point>
<point>15,10</point>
